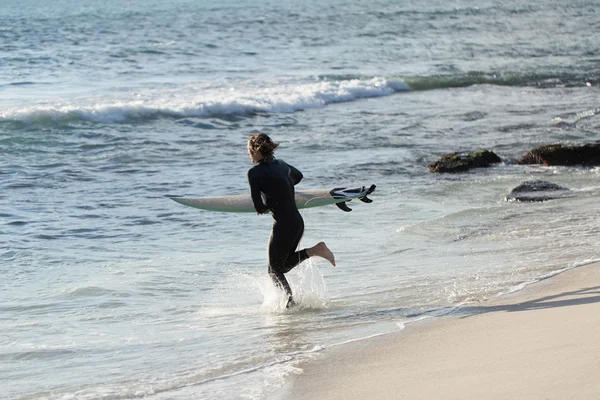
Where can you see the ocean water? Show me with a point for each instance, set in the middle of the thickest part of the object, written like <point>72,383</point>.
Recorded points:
<point>109,290</point>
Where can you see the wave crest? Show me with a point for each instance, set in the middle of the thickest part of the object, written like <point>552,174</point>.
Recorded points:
<point>202,102</point>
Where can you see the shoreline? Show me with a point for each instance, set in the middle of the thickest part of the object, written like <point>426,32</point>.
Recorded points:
<point>538,342</point>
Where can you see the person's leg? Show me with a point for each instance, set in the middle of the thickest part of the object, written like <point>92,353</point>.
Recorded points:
<point>320,249</point>
<point>279,280</point>
<point>294,258</point>
<point>278,255</point>
<point>283,257</point>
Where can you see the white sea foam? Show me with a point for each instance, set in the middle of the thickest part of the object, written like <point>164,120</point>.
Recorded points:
<point>206,100</point>
<point>572,119</point>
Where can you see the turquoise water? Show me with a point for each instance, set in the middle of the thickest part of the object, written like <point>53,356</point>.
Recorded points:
<point>111,290</point>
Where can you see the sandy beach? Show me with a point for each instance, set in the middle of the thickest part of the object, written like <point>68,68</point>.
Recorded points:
<point>542,342</point>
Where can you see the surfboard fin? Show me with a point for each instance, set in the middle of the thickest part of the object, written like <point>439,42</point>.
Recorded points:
<point>365,199</point>
<point>343,206</point>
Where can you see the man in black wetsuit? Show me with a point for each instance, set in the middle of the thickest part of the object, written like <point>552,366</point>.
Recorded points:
<point>275,180</point>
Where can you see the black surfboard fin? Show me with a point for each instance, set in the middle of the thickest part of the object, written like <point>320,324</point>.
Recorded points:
<point>343,192</point>
<point>365,199</point>
<point>343,206</point>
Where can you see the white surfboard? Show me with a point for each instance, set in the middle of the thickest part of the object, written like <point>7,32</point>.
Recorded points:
<point>304,199</point>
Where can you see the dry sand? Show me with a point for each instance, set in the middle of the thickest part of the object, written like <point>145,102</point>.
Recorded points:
<point>540,343</point>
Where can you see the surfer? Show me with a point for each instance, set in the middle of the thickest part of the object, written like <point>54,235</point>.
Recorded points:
<point>275,180</point>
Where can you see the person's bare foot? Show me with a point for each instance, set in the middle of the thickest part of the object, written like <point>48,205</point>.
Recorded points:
<point>321,250</point>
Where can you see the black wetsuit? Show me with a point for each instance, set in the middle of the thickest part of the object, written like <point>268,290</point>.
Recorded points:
<point>275,181</point>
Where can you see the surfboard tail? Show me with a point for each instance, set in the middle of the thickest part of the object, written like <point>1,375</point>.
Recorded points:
<point>360,193</point>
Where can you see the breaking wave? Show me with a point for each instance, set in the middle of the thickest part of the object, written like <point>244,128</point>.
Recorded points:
<point>247,98</point>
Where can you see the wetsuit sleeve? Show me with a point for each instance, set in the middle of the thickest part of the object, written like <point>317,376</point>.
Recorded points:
<point>259,206</point>
<point>295,175</point>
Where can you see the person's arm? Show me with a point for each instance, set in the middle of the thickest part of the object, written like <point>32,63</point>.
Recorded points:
<point>259,206</point>
<point>295,175</point>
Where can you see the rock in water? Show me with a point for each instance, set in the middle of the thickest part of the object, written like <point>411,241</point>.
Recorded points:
<point>460,162</point>
<point>538,191</point>
<point>557,154</point>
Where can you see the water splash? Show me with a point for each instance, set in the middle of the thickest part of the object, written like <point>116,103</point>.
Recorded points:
<point>308,288</point>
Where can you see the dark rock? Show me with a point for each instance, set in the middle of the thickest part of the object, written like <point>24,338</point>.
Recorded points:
<point>557,154</point>
<point>538,191</point>
<point>456,162</point>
